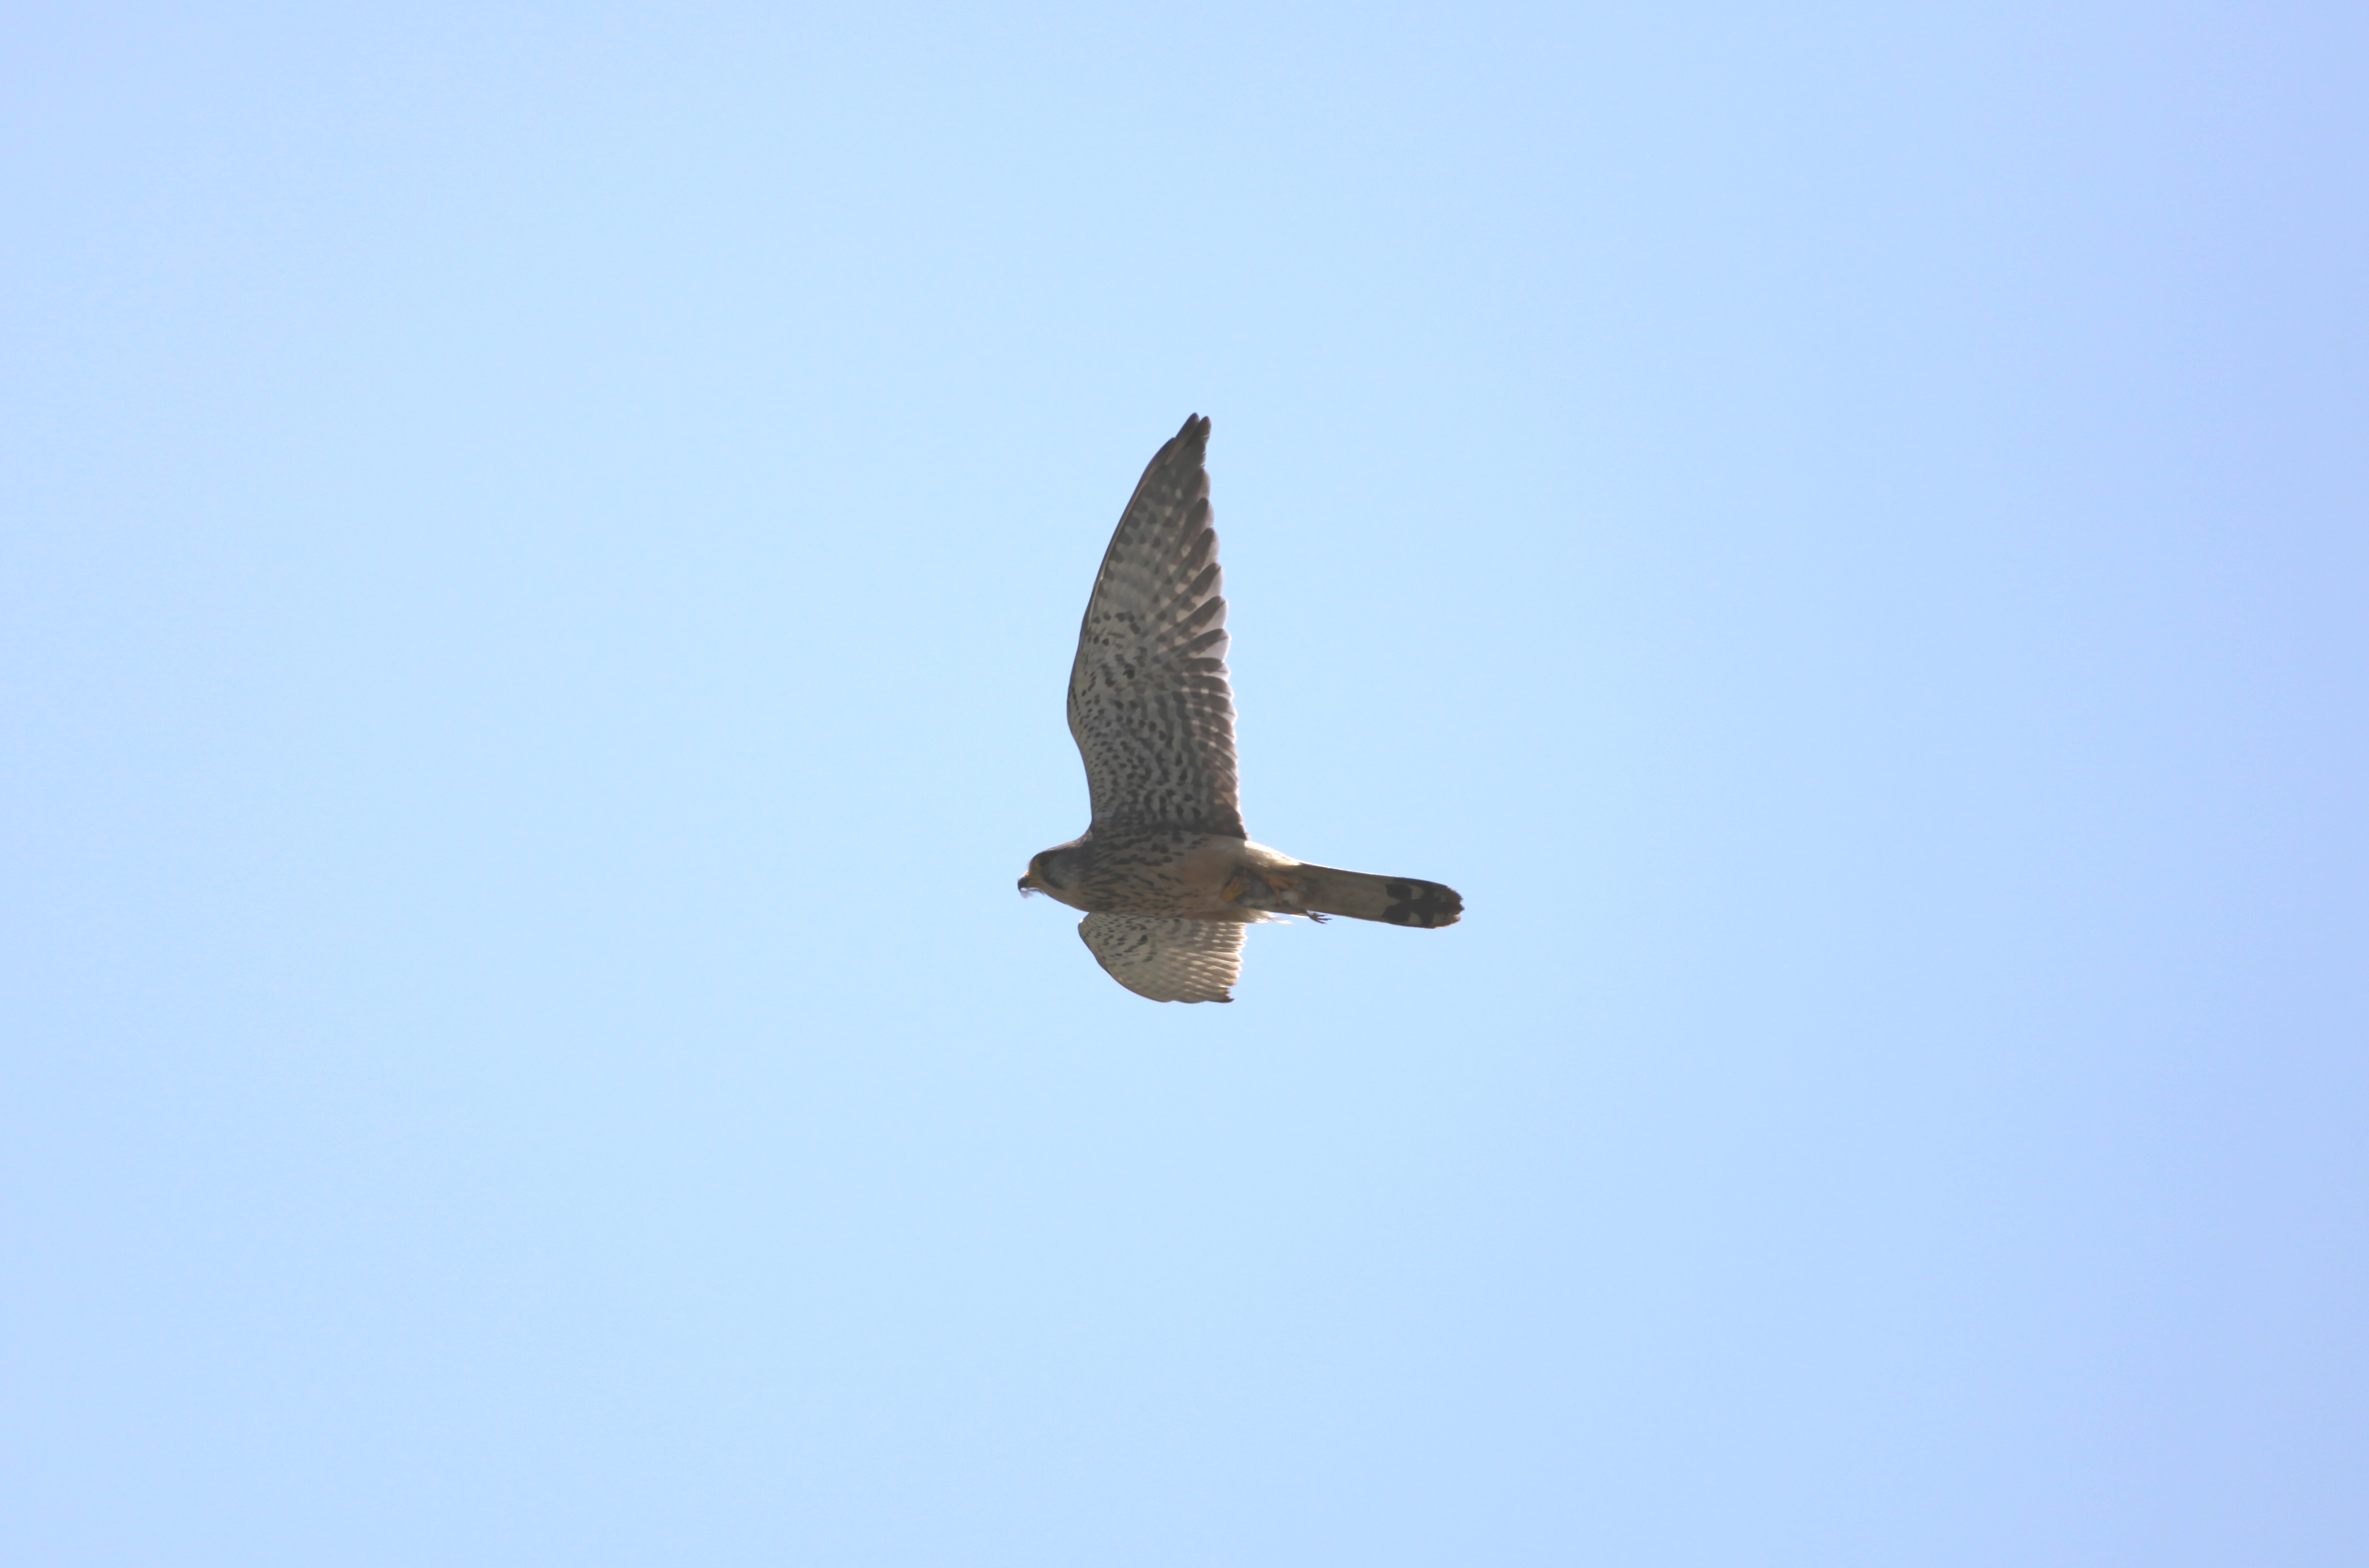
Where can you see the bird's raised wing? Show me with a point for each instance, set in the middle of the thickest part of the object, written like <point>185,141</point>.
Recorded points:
<point>1167,960</point>
<point>1150,706</point>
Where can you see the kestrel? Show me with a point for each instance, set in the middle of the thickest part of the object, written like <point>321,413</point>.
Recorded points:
<point>1166,875</point>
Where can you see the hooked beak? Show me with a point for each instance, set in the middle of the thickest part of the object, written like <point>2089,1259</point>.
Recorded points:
<point>1027,885</point>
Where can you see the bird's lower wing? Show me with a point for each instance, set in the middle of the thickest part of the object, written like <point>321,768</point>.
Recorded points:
<point>1167,960</point>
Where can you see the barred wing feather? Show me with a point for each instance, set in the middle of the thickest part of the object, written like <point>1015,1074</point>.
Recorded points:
<point>1149,705</point>
<point>1167,960</point>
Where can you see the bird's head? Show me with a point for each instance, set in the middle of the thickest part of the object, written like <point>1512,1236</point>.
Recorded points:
<point>1058,873</point>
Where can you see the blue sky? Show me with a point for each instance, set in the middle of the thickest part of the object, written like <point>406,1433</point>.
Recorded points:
<point>544,545</point>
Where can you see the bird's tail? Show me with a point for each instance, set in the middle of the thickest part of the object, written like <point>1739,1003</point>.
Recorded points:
<point>1397,901</point>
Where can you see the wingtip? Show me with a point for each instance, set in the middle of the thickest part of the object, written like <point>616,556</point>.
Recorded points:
<point>1191,443</point>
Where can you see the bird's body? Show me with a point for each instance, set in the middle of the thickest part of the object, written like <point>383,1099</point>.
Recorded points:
<point>1206,876</point>
<point>1166,874</point>
<point>1171,875</point>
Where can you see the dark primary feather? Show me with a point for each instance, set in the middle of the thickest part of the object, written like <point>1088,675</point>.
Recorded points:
<point>1150,706</point>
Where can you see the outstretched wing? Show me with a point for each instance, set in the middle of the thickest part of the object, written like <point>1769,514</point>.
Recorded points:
<point>1167,960</point>
<point>1150,707</point>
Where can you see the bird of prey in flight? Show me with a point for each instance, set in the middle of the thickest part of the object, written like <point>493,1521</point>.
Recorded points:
<point>1166,875</point>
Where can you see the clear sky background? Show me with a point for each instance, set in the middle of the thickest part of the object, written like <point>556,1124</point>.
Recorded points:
<point>543,548</point>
